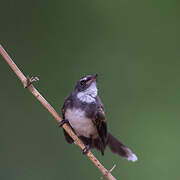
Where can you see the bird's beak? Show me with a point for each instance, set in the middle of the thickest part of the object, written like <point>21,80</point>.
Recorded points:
<point>93,79</point>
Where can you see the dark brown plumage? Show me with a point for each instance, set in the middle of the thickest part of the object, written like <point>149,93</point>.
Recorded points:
<point>84,111</point>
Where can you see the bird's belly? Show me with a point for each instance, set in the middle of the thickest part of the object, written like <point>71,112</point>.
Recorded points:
<point>82,125</point>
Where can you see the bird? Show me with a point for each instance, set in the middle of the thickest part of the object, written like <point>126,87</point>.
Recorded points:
<point>84,112</point>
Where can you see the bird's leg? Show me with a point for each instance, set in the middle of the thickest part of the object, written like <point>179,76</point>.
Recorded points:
<point>87,147</point>
<point>63,122</point>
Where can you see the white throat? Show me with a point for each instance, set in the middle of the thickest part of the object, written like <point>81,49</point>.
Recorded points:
<point>89,94</point>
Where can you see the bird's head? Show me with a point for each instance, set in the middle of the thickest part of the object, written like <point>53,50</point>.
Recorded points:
<point>86,88</point>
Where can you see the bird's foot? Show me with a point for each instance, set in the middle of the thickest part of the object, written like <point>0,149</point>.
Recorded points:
<point>30,80</point>
<point>63,122</point>
<point>86,149</point>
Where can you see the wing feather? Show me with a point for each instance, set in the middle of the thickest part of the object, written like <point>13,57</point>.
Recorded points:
<point>67,103</point>
<point>100,123</point>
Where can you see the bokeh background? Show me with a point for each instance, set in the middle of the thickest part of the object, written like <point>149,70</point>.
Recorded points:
<point>132,45</point>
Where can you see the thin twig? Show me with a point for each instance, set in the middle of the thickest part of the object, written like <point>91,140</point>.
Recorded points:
<point>27,83</point>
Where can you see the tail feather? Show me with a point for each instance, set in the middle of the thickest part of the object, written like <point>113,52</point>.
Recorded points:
<point>118,148</point>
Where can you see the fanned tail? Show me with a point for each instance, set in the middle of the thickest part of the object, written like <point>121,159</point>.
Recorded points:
<point>118,148</point>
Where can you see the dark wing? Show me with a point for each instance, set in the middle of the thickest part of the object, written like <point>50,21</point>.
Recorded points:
<point>100,123</point>
<point>99,102</point>
<point>67,103</point>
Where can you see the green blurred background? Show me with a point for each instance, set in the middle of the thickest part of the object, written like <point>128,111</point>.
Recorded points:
<point>132,45</point>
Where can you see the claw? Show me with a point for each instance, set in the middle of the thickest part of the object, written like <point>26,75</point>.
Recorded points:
<point>63,122</point>
<point>86,149</point>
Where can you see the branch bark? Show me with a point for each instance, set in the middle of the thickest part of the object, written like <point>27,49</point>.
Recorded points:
<point>25,81</point>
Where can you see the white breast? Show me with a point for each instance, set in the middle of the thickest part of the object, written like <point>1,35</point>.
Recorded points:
<point>89,94</point>
<point>82,125</point>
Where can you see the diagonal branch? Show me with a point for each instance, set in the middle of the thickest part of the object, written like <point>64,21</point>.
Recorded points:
<point>27,84</point>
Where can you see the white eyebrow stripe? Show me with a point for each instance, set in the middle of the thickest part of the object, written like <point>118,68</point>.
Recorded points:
<point>84,79</point>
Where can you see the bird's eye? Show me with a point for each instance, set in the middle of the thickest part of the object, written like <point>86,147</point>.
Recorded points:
<point>83,82</point>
